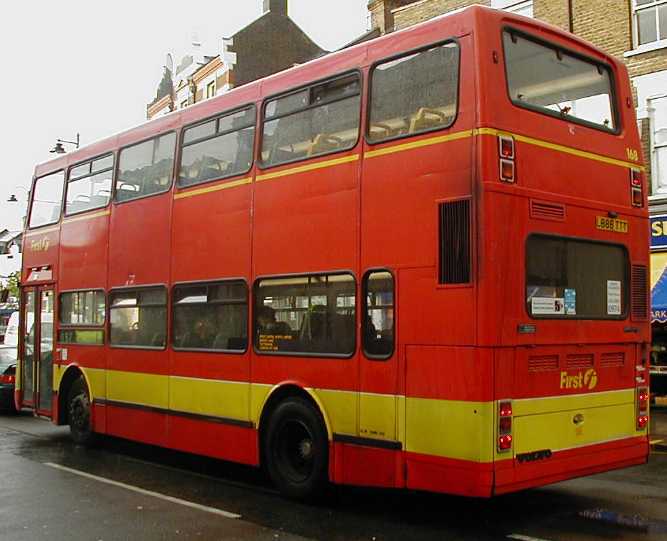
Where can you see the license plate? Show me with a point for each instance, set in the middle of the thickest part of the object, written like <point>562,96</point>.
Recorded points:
<point>611,224</point>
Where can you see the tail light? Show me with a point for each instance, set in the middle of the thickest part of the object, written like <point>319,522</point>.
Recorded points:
<point>7,379</point>
<point>636,188</point>
<point>504,425</point>
<point>507,157</point>
<point>642,407</point>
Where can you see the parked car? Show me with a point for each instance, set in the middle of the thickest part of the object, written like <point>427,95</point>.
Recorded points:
<point>7,377</point>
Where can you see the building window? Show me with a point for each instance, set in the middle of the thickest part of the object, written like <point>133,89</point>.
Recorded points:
<point>211,317</point>
<point>218,148</point>
<point>312,315</point>
<point>146,168</point>
<point>82,315</point>
<point>414,94</point>
<point>210,89</point>
<point>139,318</point>
<point>650,21</point>
<point>318,120</point>
<point>522,7</point>
<point>658,114</point>
<point>89,185</point>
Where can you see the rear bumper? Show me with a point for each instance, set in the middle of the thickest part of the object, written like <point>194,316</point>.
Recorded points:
<point>511,475</point>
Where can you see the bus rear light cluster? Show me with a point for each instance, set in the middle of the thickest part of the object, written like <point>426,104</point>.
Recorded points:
<point>504,425</point>
<point>642,407</point>
<point>507,156</point>
<point>636,188</point>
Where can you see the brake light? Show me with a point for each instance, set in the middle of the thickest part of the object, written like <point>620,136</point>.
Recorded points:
<point>642,407</point>
<point>504,425</point>
<point>6,379</point>
<point>507,155</point>
<point>636,188</point>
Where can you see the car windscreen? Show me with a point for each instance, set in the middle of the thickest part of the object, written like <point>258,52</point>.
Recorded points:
<point>548,79</point>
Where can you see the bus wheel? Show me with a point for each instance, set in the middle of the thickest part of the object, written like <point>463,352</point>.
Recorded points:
<point>297,449</point>
<point>79,414</point>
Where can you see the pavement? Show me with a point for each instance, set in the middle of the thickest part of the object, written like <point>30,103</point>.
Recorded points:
<point>658,428</point>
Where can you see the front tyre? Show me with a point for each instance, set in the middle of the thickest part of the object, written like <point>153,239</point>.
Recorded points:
<point>296,449</point>
<point>79,413</point>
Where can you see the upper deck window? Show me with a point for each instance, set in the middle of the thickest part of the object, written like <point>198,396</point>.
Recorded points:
<point>89,185</point>
<point>415,93</point>
<point>47,199</point>
<point>321,119</point>
<point>550,80</point>
<point>219,148</point>
<point>146,168</point>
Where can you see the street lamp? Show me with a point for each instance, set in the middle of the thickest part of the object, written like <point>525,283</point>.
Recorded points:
<point>60,149</point>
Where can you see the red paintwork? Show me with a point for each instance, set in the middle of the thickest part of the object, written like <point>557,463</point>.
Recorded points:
<point>453,343</point>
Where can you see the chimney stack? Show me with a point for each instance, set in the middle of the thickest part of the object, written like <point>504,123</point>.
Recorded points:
<point>279,7</point>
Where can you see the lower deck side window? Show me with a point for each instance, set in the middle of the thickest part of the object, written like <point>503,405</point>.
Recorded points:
<point>312,314</point>
<point>138,317</point>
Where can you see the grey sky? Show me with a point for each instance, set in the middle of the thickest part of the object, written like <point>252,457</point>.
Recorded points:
<point>91,66</point>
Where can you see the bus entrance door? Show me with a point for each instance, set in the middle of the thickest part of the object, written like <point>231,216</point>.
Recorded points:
<point>37,349</point>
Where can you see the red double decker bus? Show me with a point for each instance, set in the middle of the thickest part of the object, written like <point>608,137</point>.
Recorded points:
<point>418,262</point>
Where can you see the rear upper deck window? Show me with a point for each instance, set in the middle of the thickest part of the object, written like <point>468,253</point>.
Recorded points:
<point>415,93</point>
<point>47,199</point>
<point>548,79</point>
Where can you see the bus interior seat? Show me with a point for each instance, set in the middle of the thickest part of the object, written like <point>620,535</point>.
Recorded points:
<point>427,118</point>
<point>324,143</point>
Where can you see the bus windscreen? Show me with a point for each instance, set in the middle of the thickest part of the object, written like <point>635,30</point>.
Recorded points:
<point>553,81</point>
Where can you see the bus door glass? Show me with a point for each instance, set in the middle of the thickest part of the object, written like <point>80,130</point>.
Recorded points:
<point>45,386</point>
<point>28,360</point>
<point>37,372</point>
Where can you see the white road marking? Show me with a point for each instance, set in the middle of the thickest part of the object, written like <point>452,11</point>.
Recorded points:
<point>145,492</point>
<point>520,537</point>
<point>654,442</point>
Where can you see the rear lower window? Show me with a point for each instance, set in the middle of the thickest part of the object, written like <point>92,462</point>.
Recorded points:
<point>567,278</point>
<point>546,78</point>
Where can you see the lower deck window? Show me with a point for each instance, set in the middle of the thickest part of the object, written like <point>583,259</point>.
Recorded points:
<point>306,314</point>
<point>139,317</point>
<point>568,278</point>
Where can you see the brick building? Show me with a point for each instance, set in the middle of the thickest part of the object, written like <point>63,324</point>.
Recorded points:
<point>271,43</point>
<point>633,30</point>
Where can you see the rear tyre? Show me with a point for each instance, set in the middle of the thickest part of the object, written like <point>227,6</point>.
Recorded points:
<point>296,449</point>
<point>79,413</point>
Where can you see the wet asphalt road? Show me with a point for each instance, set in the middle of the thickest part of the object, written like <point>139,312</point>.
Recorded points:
<point>41,500</point>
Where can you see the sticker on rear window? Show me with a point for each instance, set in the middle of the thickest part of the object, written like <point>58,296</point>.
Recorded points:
<point>547,306</point>
<point>570,299</point>
<point>614,297</point>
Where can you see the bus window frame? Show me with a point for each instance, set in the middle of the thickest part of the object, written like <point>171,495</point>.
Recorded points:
<point>626,279</point>
<point>315,355</point>
<point>167,189</point>
<point>409,52</point>
<point>207,283</point>
<point>576,54</point>
<point>181,146</point>
<point>295,90</point>
<point>32,197</point>
<point>74,326</point>
<point>167,315</point>
<point>90,160</point>
<point>363,291</point>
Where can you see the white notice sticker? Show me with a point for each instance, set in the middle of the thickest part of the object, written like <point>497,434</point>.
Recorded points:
<point>613,297</point>
<point>541,306</point>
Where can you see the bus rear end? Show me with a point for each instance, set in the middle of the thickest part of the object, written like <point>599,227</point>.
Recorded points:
<point>562,255</point>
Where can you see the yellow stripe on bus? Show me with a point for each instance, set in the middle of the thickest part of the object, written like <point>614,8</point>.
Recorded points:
<point>216,188</point>
<point>87,216</point>
<point>309,167</point>
<point>419,144</point>
<point>41,231</point>
<point>444,428</point>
